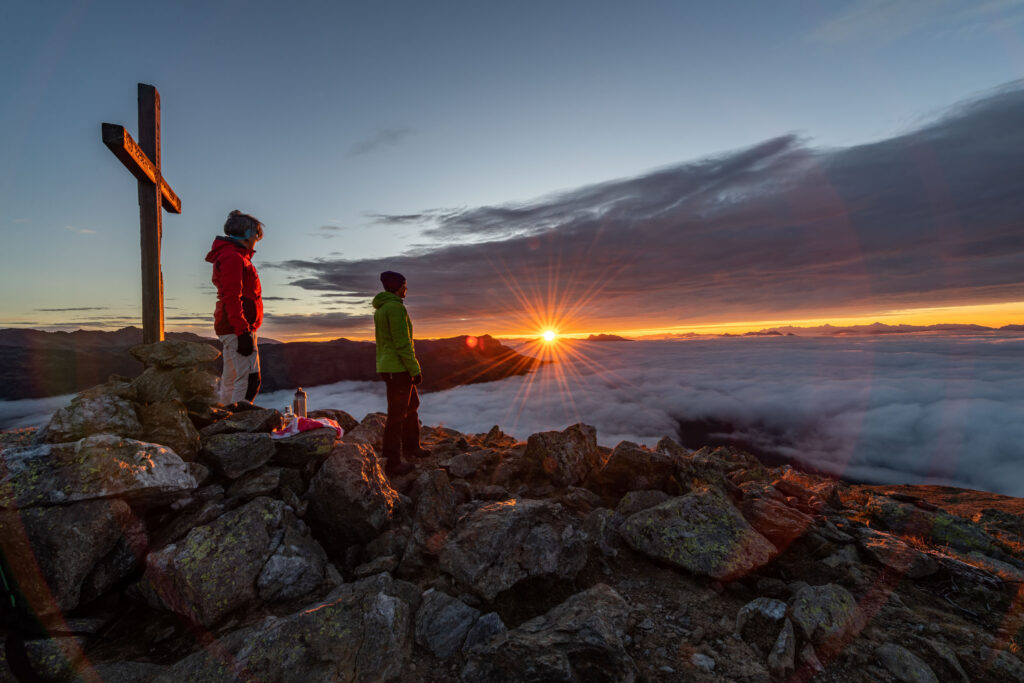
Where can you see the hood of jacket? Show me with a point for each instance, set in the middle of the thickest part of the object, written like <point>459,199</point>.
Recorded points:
<point>384,298</point>
<point>222,244</point>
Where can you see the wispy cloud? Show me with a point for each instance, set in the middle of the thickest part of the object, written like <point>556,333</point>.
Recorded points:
<point>781,230</point>
<point>320,321</point>
<point>381,139</point>
<point>80,231</point>
<point>65,310</point>
<point>889,20</point>
<point>205,317</point>
<point>328,232</point>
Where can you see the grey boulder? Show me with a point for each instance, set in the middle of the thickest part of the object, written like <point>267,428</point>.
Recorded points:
<point>631,467</point>
<point>54,550</point>
<point>92,414</point>
<point>173,353</point>
<point>257,550</point>
<point>580,640</point>
<point>312,446</point>
<point>257,420</point>
<point>701,532</point>
<point>350,499</point>
<point>443,622</point>
<point>100,466</point>
<point>891,552</point>
<point>564,458</point>
<point>360,632</point>
<point>825,615</point>
<point>235,454</point>
<point>167,424</point>
<point>501,544</point>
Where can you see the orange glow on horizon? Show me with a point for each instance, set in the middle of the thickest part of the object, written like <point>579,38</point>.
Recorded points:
<point>988,315</point>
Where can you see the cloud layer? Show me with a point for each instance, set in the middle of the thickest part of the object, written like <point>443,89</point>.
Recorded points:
<point>778,230</point>
<point>928,409</point>
<point>933,409</point>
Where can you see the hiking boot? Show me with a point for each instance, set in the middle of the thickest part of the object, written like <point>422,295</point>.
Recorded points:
<point>418,452</point>
<point>396,467</point>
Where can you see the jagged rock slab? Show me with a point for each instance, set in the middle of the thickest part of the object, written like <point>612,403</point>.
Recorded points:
<point>298,566</point>
<point>220,567</point>
<point>776,521</point>
<point>434,515</point>
<point>192,386</point>
<point>939,526</point>
<point>633,468</point>
<point>235,454</point>
<point>100,466</point>
<point>173,353</point>
<point>355,634</point>
<point>123,561</point>
<point>259,482</point>
<point>700,532</point>
<point>564,458</point>
<point>579,640</point>
<point>466,465</point>
<point>258,420</point>
<point>311,446</point>
<point>370,431</point>
<point>891,552</point>
<point>92,414</point>
<point>825,615</point>
<point>501,544</point>
<point>52,550</point>
<point>350,499</point>
<point>443,622</point>
<point>167,424</point>
<point>485,628</point>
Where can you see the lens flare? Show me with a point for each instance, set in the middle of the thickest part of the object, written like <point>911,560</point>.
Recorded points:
<point>549,335</point>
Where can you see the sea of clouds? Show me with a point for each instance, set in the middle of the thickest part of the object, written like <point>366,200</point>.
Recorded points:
<point>913,409</point>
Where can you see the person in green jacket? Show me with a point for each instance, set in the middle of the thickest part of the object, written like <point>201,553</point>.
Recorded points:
<point>398,367</point>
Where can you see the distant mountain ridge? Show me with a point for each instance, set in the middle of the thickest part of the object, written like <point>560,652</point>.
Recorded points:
<point>828,330</point>
<point>36,364</point>
<point>606,338</point>
<point>882,328</point>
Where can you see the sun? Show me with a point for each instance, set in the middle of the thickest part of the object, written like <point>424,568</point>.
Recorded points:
<point>549,335</point>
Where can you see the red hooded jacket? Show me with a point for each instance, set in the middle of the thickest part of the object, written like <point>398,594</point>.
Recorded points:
<point>239,295</point>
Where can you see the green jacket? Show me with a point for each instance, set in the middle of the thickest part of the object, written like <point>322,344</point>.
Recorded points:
<point>395,352</point>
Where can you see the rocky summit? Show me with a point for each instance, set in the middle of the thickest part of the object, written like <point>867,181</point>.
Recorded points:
<point>159,536</point>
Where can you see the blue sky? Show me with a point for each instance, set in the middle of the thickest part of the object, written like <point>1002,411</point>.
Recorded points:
<point>328,114</point>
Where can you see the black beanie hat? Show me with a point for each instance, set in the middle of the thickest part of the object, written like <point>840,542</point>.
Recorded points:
<point>391,280</point>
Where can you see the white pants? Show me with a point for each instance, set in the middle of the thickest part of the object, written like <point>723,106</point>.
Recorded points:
<point>237,378</point>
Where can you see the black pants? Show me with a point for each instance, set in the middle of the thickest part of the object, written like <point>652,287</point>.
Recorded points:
<point>402,429</point>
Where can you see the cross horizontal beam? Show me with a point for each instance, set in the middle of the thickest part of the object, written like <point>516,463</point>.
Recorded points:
<point>120,142</point>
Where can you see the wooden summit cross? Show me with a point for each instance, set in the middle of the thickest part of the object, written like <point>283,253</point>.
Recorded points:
<point>143,160</point>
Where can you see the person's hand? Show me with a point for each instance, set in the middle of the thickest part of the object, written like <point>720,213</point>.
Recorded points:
<point>245,344</point>
<point>417,379</point>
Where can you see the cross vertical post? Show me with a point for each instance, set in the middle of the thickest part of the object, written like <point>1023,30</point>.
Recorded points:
<point>151,218</point>
<point>143,160</point>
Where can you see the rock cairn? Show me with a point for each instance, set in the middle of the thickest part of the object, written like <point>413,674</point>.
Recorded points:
<point>177,541</point>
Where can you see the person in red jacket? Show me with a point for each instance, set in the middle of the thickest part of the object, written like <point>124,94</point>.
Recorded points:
<point>239,306</point>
